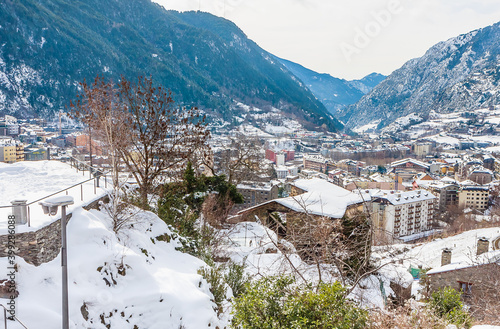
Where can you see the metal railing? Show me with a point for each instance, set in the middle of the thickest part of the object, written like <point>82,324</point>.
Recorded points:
<point>12,318</point>
<point>95,179</point>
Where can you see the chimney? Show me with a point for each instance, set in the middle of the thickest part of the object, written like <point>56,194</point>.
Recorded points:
<point>483,245</point>
<point>446,257</point>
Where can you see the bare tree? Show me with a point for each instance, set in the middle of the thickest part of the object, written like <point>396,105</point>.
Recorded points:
<point>240,160</point>
<point>161,136</point>
<point>99,106</point>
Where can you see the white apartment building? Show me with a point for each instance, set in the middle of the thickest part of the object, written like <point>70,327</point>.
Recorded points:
<point>402,214</point>
<point>282,172</point>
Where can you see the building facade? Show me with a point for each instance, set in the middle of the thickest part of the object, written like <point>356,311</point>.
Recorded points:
<point>318,163</point>
<point>399,214</point>
<point>256,193</point>
<point>476,197</point>
<point>410,165</point>
<point>8,153</point>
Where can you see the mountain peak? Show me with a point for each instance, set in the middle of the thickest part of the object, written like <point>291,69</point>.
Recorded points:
<point>456,74</point>
<point>207,61</point>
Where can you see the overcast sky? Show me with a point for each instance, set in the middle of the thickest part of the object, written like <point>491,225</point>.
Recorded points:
<point>349,39</point>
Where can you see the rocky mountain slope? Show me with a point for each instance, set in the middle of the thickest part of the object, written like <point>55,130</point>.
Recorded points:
<point>457,74</point>
<point>333,92</point>
<point>48,46</point>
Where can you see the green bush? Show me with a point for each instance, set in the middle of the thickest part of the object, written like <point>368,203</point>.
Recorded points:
<point>220,276</point>
<point>214,275</point>
<point>446,304</point>
<point>236,278</point>
<point>278,302</point>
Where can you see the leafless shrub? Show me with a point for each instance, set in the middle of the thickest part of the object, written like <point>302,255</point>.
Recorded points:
<point>405,317</point>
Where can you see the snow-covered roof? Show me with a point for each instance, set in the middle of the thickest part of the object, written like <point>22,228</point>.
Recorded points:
<point>398,198</point>
<point>448,180</point>
<point>465,262</point>
<point>255,186</point>
<point>416,162</point>
<point>321,198</point>
<point>475,188</point>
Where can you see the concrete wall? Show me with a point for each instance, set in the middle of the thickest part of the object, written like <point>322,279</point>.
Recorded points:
<point>43,245</point>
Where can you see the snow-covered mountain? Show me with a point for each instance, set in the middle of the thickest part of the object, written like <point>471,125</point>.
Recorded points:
<point>457,74</point>
<point>48,46</point>
<point>333,92</point>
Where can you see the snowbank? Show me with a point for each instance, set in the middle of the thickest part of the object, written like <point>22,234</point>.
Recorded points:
<point>136,281</point>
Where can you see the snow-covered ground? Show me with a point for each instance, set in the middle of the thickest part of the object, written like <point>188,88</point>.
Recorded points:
<point>255,246</point>
<point>463,247</point>
<point>136,281</point>
<point>32,180</point>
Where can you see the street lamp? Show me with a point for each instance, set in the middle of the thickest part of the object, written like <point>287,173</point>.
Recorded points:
<point>50,206</point>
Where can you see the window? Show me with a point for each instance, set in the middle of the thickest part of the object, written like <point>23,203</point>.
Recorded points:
<point>465,288</point>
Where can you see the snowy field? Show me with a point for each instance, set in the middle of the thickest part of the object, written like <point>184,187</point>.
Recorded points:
<point>32,180</point>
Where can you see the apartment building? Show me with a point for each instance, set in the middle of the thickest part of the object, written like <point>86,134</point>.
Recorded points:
<point>402,214</point>
<point>474,196</point>
<point>256,193</point>
<point>318,163</point>
<point>9,151</point>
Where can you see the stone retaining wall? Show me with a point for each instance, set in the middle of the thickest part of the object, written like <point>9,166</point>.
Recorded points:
<point>43,245</point>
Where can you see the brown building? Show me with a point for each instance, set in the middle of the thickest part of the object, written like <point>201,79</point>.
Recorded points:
<point>82,142</point>
<point>478,279</point>
<point>318,163</point>
<point>480,175</point>
<point>409,165</point>
<point>315,197</point>
<point>476,197</point>
<point>447,194</point>
<point>256,193</point>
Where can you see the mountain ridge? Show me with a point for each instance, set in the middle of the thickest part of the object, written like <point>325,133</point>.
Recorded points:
<point>334,93</point>
<point>51,45</point>
<point>451,75</point>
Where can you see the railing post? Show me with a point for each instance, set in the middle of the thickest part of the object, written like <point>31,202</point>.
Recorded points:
<point>19,211</point>
<point>64,269</point>
<point>81,191</point>
<point>5,317</point>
